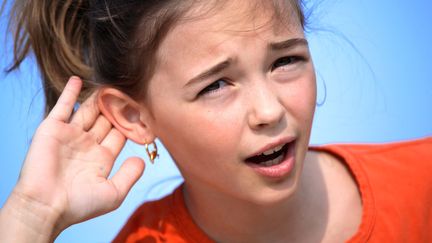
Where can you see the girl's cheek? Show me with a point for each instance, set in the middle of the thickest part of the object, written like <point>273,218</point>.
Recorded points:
<point>220,125</point>
<point>299,99</point>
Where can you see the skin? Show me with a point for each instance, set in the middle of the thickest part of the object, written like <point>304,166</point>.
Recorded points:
<point>210,127</point>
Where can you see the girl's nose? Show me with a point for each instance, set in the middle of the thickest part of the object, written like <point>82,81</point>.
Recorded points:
<point>265,108</point>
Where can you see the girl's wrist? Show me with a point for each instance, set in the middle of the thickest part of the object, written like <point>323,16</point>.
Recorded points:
<point>23,219</point>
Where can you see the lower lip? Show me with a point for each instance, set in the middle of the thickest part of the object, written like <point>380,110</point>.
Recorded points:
<point>280,170</point>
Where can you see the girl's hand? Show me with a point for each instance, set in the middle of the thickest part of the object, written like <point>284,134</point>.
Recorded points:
<point>66,169</point>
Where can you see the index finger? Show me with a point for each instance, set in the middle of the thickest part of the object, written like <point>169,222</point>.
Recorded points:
<point>66,102</point>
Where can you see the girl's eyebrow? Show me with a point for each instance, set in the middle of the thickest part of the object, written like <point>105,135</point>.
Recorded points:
<point>288,44</point>
<point>210,72</point>
<point>219,67</point>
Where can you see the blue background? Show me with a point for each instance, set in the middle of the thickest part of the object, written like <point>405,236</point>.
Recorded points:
<point>372,57</point>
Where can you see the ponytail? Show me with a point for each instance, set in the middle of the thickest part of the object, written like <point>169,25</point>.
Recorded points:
<point>57,31</point>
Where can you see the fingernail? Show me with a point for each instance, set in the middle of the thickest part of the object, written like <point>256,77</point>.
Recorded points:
<point>74,77</point>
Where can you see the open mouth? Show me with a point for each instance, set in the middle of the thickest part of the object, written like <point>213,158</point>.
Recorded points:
<point>270,157</point>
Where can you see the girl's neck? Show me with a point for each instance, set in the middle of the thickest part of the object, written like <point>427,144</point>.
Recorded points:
<point>304,217</point>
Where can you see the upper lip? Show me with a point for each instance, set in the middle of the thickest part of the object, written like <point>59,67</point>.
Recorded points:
<point>274,144</point>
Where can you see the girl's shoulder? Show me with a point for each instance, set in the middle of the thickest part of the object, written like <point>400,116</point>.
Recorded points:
<point>406,152</point>
<point>163,220</point>
<point>395,183</point>
<point>145,222</point>
<point>406,161</point>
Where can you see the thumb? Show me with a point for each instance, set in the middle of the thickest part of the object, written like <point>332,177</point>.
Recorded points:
<point>128,174</point>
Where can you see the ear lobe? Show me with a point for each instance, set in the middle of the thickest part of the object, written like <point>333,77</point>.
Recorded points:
<point>126,115</point>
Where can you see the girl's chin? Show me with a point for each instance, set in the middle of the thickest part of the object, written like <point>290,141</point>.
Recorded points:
<point>271,195</point>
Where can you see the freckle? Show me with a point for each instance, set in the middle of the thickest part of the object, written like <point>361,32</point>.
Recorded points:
<point>101,168</point>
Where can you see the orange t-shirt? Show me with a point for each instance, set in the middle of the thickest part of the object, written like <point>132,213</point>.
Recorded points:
<point>395,183</point>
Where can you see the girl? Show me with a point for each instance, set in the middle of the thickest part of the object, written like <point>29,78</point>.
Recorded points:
<point>229,88</point>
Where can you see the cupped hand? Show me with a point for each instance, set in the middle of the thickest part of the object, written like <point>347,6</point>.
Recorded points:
<point>70,159</point>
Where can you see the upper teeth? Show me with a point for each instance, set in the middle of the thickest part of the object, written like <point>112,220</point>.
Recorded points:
<point>275,149</point>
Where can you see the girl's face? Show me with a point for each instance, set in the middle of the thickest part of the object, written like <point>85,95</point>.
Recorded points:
<point>229,86</point>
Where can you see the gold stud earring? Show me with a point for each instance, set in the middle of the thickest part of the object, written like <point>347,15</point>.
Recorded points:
<point>152,154</point>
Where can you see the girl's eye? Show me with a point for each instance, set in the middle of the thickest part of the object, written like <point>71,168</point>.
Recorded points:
<point>213,87</point>
<point>284,61</point>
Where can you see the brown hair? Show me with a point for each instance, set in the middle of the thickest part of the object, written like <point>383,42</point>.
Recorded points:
<point>105,42</point>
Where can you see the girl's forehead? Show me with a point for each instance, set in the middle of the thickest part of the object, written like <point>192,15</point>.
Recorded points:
<point>241,16</point>
<point>233,19</point>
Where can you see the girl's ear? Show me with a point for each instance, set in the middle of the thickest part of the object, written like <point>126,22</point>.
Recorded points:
<point>126,115</point>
